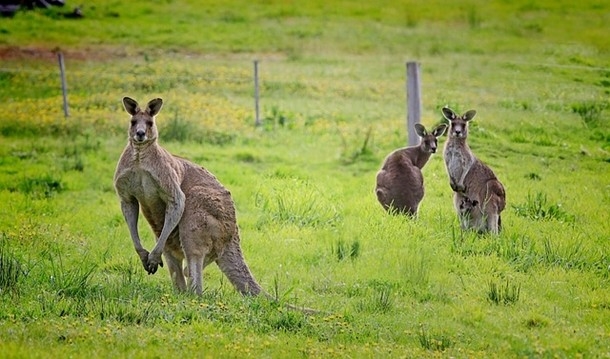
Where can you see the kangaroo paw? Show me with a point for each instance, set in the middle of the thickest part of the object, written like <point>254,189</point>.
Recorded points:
<point>143,254</point>
<point>152,263</point>
<point>458,188</point>
<point>453,186</point>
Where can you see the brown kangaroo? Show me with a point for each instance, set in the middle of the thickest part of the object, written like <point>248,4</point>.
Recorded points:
<point>400,183</point>
<point>470,178</point>
<point>191,214</point>
<point>469,213</point>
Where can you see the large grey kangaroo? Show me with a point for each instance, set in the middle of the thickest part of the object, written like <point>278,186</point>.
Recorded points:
<point>400,183</point>
<point>471,179</point>
<point>191,214</point>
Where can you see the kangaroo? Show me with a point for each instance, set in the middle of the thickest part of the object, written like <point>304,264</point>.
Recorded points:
<point>469,213</point>
<point>470,178</point>
<point>191,214</point>
<point>400,183</point>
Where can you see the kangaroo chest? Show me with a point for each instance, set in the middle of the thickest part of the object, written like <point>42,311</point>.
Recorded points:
<point>458,161</point>
<point>146,189</point>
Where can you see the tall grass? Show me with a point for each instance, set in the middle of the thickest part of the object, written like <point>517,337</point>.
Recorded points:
<point>506,294</point>
<point>297,202</point>
<point>11,271</point>
<point>537,207</point>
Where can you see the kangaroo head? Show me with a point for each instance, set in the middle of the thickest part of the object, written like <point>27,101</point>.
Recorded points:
<point>467,205</point>
<point>459,124</point>
<point>429,142</point>
<point>143,128</point>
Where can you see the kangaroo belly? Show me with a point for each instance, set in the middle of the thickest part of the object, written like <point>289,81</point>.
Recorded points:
<point>155,215</point>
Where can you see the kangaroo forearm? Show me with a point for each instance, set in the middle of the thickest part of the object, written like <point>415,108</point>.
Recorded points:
<point>456,181</point>
<point>130,212</point>
<point>173,214</point>
<point>460,183</point>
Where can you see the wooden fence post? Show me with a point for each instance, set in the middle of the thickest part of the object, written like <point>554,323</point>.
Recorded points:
<point>413,102</point>
<point>64,85</point>
<point>257,121</point>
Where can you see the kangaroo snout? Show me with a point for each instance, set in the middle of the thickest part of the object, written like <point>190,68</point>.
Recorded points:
<point>140,136</point>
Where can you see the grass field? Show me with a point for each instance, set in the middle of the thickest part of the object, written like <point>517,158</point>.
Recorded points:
<point>333,104</point>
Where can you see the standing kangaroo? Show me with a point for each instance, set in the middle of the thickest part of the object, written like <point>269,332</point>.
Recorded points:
<point>400,183</point>
<point>191,214</point>
<point>470,178</point>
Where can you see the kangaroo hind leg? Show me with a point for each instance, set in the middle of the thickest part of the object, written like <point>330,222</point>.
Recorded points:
<point>493,220</point>
<point>195,274</point>
<point>174,265</point>
<point>197,258</point>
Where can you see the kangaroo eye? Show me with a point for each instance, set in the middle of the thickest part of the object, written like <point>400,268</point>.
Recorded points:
<point>133,122</point>
<point>149,123</point>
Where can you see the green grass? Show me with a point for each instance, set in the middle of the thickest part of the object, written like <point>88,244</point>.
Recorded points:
<point>313,234</point>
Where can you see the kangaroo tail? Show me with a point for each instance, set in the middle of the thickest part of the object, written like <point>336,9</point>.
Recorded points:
<point>232,263</point>
<point>298,308</point>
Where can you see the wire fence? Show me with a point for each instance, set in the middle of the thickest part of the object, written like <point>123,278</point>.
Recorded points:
<point>236,77</point>
<point>254,83</point>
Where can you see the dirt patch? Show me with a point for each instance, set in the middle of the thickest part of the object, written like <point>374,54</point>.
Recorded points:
<point>42,53</point>
<point>106,53</point>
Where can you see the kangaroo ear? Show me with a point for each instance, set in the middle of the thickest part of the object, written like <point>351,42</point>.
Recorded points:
<point>439,130</point>
<point>420,130</point>
<point>469,115</point>
<point>154,106</point>
<point>449,114</point>
<point>131,106</point>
